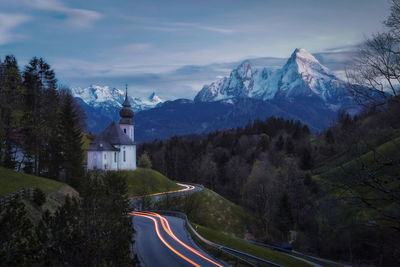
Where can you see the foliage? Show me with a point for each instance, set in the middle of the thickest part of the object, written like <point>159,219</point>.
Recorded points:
<point>17,240</point>
<point>39,198</point>
<point>144,161</point>
<point>92,231</point>
<point>40,122</point>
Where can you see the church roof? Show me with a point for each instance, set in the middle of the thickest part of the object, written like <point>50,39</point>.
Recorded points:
<point>112,135</point>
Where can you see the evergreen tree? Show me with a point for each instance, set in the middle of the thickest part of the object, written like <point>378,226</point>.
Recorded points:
<point>16,236</point>
<point>11,93</point>
<point>40,114</point>
<point>71,136</point>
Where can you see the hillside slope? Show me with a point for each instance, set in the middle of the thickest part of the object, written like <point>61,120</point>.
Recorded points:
<point>147,181</point>
<point>12,181</point>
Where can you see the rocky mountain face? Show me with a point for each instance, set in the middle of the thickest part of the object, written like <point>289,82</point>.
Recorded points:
<point>303,76</point>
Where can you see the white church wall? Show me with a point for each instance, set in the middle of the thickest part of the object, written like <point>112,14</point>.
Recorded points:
<point>95,160</point>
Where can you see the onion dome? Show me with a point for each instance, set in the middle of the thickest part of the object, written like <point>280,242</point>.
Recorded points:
<point>126,112</point>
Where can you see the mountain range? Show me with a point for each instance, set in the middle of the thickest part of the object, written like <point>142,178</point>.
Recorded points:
<point>303,89</point>
<point>102,104</point>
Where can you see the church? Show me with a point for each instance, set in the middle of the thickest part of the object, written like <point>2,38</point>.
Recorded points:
<point>114,148</point>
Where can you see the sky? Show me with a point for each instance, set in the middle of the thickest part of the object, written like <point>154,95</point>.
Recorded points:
<point>174,47</point>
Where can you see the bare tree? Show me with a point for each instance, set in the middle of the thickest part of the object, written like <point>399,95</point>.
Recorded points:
<point>377,65</point>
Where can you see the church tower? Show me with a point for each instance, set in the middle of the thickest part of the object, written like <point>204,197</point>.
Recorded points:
<point>126,113</point>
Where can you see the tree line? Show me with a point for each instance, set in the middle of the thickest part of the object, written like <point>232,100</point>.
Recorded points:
<point>40,122</point>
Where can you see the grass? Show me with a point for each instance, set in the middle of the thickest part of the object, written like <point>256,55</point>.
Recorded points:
<point>383,165</point>
<point>211,210</point>
<point>12,181</point>
<point>388,150</point>
<point>147,181</point>
<point>383,142</point>
<point>258,251</point>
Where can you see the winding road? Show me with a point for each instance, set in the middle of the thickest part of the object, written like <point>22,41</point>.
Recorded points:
<point>164,241</point>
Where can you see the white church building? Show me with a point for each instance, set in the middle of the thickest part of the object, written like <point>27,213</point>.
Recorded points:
<point>114,148</point>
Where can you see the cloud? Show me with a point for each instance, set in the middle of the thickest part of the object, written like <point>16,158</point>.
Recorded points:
<point>136,47</point>
<point>80,18</point>
<point>187,26</point>
<point>8,22</point>
<point>215,29</point>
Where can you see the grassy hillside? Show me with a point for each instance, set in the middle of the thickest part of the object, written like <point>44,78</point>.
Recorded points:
<point>211,210</point>
<point>12,181</point>
<point>146,181</point>
<point>258,251</point>
<point>384,153</point>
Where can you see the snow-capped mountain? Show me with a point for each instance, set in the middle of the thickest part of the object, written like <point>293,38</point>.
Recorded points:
<point>102,104</point>
<point>107,97</point>
<point>302,76</point>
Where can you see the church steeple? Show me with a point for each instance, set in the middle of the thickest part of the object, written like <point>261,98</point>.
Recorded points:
<point>126,112</point>
<point>126,102</point>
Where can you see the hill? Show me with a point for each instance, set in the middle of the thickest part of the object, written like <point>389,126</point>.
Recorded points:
<point>213,211</point>
<point>147,181</point>
<point>12,181</point>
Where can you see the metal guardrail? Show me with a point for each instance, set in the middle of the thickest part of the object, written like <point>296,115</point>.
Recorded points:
<point>294,253</point>
<point>19,195</point>
<point>231,251</point>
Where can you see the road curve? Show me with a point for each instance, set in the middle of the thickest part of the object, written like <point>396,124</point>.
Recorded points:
<point>164,241</point>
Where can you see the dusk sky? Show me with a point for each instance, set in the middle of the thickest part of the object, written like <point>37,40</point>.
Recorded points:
<point>174,47</point>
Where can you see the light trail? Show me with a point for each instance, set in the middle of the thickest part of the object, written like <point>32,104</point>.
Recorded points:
<point>167,229</point>
<point>187,188</point>
<point>165,242</point>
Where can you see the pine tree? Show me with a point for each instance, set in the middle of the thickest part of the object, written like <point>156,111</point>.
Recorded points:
<point>16,236</point>
<point>40,114</point>
<point>71,136</point>
<point>11,93</point>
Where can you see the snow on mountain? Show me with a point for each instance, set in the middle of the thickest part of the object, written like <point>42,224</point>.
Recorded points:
<point>302,76</point>
<point>108,98</point>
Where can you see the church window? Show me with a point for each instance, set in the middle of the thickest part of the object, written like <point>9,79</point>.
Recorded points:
<point>105,156</point>
<point>115,156</point>
<point>124,130</point>
<point>124,156</point>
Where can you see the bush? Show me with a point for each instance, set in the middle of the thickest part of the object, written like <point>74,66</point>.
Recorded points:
<point>144,161</point>
<point>39,197</point>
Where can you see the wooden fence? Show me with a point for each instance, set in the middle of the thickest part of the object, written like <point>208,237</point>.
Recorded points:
<point>24,193</point>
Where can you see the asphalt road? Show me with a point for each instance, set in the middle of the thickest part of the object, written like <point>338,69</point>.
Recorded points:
<point>165,250</point>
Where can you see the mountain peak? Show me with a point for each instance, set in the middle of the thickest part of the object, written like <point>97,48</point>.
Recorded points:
<point>244,69</point>
<point>304,55</point>
<point>154,98</point>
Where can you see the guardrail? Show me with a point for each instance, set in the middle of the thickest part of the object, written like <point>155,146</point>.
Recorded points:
<point>230,251</point>
<point>19,195</point>
<point>294,253</point>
